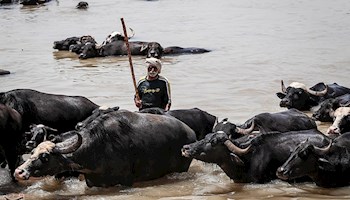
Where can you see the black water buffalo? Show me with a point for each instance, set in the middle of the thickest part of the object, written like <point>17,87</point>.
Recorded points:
<point>33,2</point>
<point>73,44</point>
<point>341,122</point>
<point>10,137</point>
<point>284,121</point>
<point>39,133</point>
<point>327,165</point>
<point>60,112</point>
<point>66,43</point>
<point>174,50</point>
<point>119,147</point>
<point>118,48</point>
<point>250,158</point>
<point>298,96</point>
<point>4,72</point>
<point>82,5</point>
<point>201,122</point>
<point>328,106</point>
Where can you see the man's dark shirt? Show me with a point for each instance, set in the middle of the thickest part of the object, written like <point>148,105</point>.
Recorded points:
<point>154,93</point>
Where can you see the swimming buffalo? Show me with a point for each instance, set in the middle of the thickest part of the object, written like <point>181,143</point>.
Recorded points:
<point>298,96</point>
<point>175,50</point>
<point>250,158</point>
<point>119,147</point>
<point>284,121</point>
<point>118,48</point>
<point>326,164</point>
<point>198,120</point>
<point>328,106</point>
<point>33,2</point>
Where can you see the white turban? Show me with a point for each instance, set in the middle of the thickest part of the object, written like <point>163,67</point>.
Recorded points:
<point>154,62</point>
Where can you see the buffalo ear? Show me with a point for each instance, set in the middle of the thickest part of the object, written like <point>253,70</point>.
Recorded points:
<point>325,165</point>
<point>280,95</point>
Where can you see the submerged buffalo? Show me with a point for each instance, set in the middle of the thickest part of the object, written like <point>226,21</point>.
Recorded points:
<point>250,158</point>
<point>33,2</point>
<point>118,48</point>
<point>119,147</point>
<point>327,164</point>
<point>284,121</point>
<point>298,96</point>
<point>327,107</point>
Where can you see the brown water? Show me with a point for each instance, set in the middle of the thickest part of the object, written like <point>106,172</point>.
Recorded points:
<point>254,45</point>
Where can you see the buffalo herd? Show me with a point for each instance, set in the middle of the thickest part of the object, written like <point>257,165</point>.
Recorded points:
<point>115,45</point>
<point>110,146</point>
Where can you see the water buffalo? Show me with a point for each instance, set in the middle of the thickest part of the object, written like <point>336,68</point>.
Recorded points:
<point>198,120</point>
<point>33,2</point>
<point>82,5</point>
<point>298,96</point>
<point>119,147</point>
<point>327,165</point>
<point>4,72</point>
<point>118,48</point>
<point>341,122</point>
<point>328,106</point>
<point>174,50</point>
<point>11,136</point>
<point>60,112</point>
<point>284,121</point>
<point>73,44</point>
<point>250,159</point>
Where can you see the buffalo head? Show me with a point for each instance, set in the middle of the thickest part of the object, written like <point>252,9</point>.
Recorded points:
<point>232,130</point>
<point>152,49</point>
<point>65,44</point>
<point>48,158</point>
<point>212,148</point>
<point>89,50</point>
<point>341,122</point>
<point>298,96</point>
<point>38,134</point>
<point>302,161</point>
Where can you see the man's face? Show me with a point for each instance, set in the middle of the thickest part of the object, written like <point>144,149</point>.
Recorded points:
<point>152,71</point>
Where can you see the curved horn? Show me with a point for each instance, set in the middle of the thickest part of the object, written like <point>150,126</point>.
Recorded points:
<point>318,93</point>
<point>132,33</point>
<point>70,145</point>
<point>323,150</point>
<point>247,130</point>
<point>233,148</point>
<point>284,90</point>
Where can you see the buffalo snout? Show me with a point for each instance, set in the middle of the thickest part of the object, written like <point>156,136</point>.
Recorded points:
<point>281,173</point>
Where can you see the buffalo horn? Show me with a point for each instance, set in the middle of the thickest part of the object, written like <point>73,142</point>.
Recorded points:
<point>318,93</point>
<point>233,148</point>
<point>70,144</point>
<point>132,33</point>
<point>284,90</point>
<point>323,150</point>
<point>247,130</point>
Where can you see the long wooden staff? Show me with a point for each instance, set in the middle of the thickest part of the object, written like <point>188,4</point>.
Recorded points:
<point>130,61</point>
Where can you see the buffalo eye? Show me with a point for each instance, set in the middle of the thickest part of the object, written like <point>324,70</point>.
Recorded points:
<point>44,157</point>
<point>213,141</point>
<point>296,96</point>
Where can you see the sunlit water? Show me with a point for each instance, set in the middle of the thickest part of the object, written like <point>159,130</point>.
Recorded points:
<point>254,45</point>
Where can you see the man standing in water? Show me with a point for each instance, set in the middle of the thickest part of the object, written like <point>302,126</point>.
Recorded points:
<point>153,89</point>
